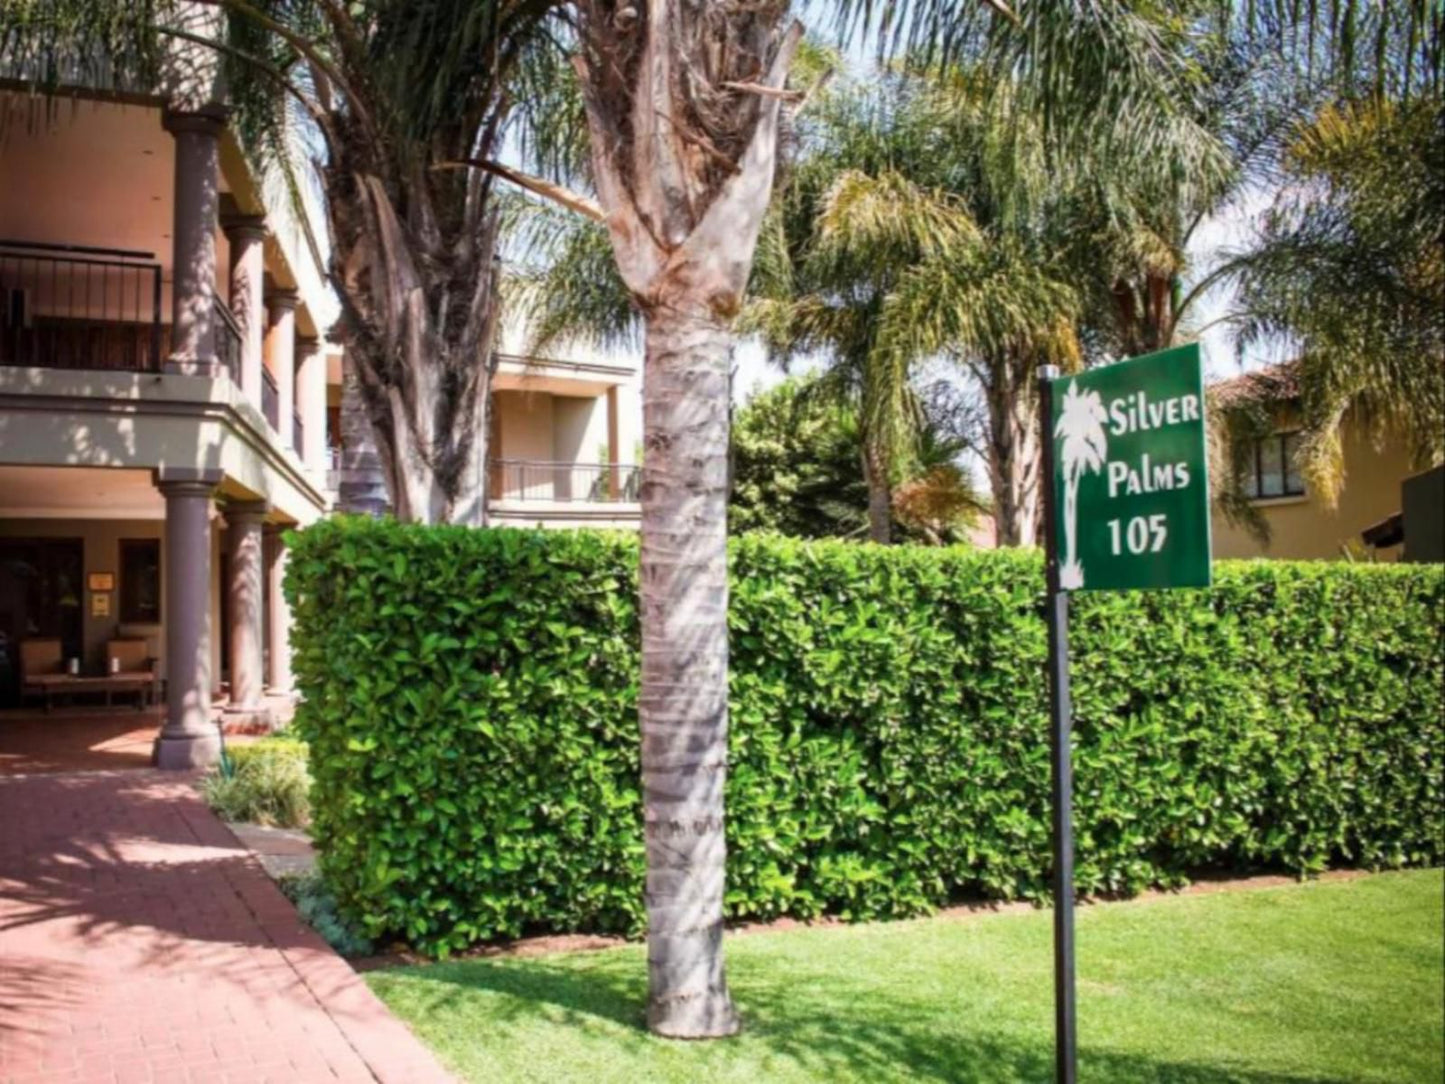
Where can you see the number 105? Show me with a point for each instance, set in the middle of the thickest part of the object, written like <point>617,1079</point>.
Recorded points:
<point>1141,534</point>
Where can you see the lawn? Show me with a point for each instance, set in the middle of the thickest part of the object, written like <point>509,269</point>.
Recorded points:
<point>1337,981</point>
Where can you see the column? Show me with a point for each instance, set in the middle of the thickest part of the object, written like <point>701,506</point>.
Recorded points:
<point>247,235</point>
<point>281,357</point>
<point>188,738</point>
<point>278,614</point>
<point>614,476</point>
<point>245,594</point>
<point>311,400</point>
<point>193,239</point>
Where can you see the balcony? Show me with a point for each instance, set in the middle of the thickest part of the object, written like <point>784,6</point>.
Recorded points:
<point>540,480</point>
<point>228,341</point>
<point>77,307</point>
<point>80,307</point>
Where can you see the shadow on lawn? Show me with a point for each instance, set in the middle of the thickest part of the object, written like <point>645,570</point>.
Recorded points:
<point>848,1033</point>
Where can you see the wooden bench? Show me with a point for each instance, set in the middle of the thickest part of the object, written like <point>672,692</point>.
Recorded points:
<point>51,685</point>
<point>130,671</point>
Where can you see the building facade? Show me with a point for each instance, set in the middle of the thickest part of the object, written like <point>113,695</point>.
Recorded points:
<point>1302,526</point>
<point>170,405</point>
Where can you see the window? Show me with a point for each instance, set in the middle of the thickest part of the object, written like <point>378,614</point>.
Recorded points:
<point>1273,470</point>
<point>140,581</point>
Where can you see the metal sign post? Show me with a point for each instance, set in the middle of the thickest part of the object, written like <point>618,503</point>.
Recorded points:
<point>1126,508</point>
<point>1066,1069</point>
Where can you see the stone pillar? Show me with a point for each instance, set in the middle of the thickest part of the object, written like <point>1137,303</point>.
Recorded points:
<point>246,596</point>
<point>614,476</point>
<point>193,239</point>
<point>278,615</point>
<point>281,357</point>
<point>247,236</point>
<point>311,402</point>
<point>189,738</point>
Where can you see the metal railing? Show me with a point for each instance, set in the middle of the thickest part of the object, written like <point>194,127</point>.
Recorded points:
<point>545,480</point>
<point>80,307</point>
<point>270,399</point>
<point>228,340</point>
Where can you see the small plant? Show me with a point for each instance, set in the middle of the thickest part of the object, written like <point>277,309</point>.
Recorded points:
<point>265,783</point>
<point>316,904</point>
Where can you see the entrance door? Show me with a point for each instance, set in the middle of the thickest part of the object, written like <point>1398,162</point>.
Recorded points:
<point>41,595</point>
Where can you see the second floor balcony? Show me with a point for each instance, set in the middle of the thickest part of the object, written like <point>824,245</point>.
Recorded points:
<point>122,256</point>
<point>532,480</point>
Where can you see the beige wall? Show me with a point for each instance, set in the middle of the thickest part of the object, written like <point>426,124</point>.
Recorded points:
<point>579,433</point>
<point>1302,528</point>
<point>101,541</point>
<point>98,174</point>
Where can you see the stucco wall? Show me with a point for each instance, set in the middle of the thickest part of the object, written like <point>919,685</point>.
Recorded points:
<point>51,175</point>
<point>525,424</point>
<point>1302,528</point>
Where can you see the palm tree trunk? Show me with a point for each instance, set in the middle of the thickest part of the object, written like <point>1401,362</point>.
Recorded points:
<point>683,702</point>
<point>362,488</point>
<point>1013,408</point>
<point>880,496</point>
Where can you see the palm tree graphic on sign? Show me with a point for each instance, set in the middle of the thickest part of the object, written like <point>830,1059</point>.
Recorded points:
<point>1084,448</point>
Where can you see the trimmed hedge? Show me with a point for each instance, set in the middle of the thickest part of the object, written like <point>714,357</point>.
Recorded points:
<point>470,704</point>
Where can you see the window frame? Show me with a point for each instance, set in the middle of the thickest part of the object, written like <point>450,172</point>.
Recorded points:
<point>124,612</point>
<point>1256,492</point>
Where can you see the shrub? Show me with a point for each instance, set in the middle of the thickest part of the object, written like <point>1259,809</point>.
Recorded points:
<point>265,782</point>
<point>316,904</point>
<point>470,702</point>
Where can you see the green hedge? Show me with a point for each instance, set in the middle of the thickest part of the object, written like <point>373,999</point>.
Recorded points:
<point>470,707</point>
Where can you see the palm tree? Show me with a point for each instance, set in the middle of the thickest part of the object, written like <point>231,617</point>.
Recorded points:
<point>682,103</point>
<point>1348,265</point>
<point>854,235</point>
<point>1081,429</point>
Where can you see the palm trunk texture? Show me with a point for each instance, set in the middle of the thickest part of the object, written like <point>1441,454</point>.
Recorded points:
<point>1014,462</point>
<point>684,699</point>
<point>880,497</point>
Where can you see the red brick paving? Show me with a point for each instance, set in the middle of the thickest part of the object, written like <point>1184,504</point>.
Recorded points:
<point>79,739</point>
<point>140,942</point>
<point>82,739</point>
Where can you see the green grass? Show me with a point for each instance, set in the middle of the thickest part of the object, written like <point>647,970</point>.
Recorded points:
<point>1339,981</point>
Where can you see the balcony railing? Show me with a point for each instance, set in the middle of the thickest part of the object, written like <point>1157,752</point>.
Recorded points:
<point>270,399</point>
<point>77,307</point>
<point>228,340</point>
<point>544,480</point>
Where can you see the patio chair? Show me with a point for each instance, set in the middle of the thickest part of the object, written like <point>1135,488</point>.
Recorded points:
<point>129,664</point>
<point>42,667</point>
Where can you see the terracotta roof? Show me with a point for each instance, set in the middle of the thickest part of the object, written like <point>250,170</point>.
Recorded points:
<point>1270,384</point>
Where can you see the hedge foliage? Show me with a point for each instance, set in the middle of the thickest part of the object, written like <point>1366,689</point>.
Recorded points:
<point>470,704</point>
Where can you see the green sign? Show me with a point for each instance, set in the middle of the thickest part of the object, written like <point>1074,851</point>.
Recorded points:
<point>1131,489</point>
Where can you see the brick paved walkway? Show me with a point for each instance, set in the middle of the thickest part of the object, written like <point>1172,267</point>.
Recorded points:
<point>140,942</point>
